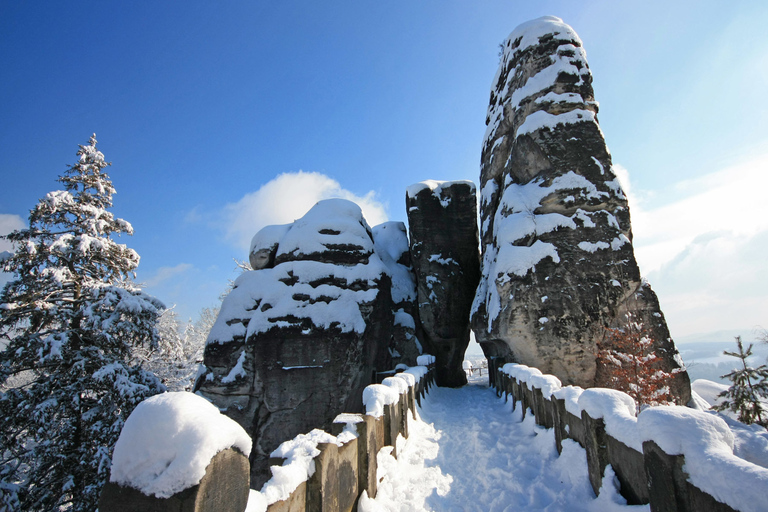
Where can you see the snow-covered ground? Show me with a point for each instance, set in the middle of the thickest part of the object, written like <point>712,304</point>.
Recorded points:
<point>470,451</point>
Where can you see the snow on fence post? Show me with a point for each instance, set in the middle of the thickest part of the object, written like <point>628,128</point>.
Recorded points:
<point>596,446</point>
<point>178,452</point>
<point>493,374</point>
<point>671,491</point>
<point>647,453</point>
<point>367,442</point>
<point>323,485</point>
<point>561,422</point>
<point>543,409</point>
<point>629,466</point>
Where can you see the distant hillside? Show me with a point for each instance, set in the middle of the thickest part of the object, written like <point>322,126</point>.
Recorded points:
<point>703,353</point>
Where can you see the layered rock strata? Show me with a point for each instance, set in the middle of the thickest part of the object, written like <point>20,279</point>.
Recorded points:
<point>558,262</point>
<point>391,243</point>
<point>442,217</point>
<point>297,340</point>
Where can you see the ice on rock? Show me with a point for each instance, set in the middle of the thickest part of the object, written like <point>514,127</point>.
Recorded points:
<point>169,440</point>
<point>288,293</point>
<point>404,319</point>
<point>391,243</point>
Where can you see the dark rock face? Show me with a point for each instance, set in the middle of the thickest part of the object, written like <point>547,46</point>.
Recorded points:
<point>442,217</point>
<point>391,243</point>
<point>297,340</point>
<point>558,262</point>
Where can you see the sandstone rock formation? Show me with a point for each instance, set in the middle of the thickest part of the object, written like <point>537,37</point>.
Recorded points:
<point>297,340</point>
<point>391,243</point>
<point>558,262</point>
<point>442,217</point>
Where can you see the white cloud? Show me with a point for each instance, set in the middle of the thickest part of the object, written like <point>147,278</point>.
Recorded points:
<point>287,198</point>
<point>704,252</point>
<point>164,274</point>
<point>733,200</point>
<point>8,223</point>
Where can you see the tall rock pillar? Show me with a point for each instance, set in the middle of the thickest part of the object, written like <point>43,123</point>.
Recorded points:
<point>558,263</point>
<point>442,217</point>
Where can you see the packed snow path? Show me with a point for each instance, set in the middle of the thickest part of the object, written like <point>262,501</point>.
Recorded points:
<point>471,452</point>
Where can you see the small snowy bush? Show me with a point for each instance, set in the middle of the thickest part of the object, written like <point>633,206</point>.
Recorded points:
<point>748,389</point>
<point>628,363</point>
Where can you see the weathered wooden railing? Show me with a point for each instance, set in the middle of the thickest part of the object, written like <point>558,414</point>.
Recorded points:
<point>314,472</point>
<point>675,458</point>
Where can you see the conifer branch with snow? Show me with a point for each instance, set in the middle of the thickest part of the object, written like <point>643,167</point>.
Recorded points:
<point>71,318</point>
<point>748,390</point>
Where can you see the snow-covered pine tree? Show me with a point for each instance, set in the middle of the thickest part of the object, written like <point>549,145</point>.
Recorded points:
<point>749,387</point>
<point>178,354</point>
<point>70,319</point>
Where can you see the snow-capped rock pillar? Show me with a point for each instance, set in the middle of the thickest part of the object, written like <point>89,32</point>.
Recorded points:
<point>442,218</point>
<point>558,264</point>
<point>297,341</point>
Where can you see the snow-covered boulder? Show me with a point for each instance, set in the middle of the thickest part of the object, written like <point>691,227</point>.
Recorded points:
<point>296,341</point>
<point>390,241</point>
<point>178,448</point>
<point>442,217</point>
<point>558,264</point>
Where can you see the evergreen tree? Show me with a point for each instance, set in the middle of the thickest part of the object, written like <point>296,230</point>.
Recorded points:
<point>70,319</point>
<point>749,386</point>
<point>179,352</point>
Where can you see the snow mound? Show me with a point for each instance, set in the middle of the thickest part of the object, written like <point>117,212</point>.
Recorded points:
<point>326,271</point>
<point>399,385</point>
<point>531,31</point>
<point>418,372</point>
<point>390,241</point>
<point>570,394</point>
<point>707,443</point>
<point>436,187</point>
<point>618,412</point>
<point>169,440</point>
<point>409,378</point>
<point>299,454</point>
<point>376,396</point>
<point>708,390</point>
<point>331,221</point>
<point>425,360</point>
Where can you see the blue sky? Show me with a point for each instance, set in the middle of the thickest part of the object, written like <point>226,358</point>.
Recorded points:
<point>200,106</point>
